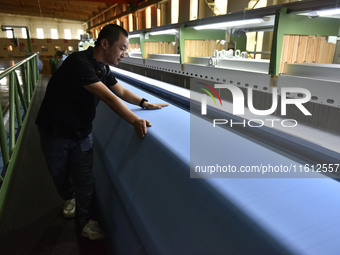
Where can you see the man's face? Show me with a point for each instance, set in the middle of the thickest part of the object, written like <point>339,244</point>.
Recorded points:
<point>115,53</point>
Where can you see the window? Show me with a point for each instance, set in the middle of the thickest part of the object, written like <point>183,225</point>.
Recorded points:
<point>257,4</point>
<point>40,33</point>
<point>80,33</point>
<point>67,33</point>
<point>148,17</point>
<point>193,9</point>
<point>23,33</point>
<point>54,33</point>
<point>174,11</point>
<point>220,7</point>
<point>130,23</point>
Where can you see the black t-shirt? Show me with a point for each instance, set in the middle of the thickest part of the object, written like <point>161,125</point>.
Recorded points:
<point>68,109</point>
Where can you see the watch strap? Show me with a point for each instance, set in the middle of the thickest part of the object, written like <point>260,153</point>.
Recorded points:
<point>142,102</point>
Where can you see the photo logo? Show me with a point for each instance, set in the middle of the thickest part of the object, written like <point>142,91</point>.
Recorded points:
<point>238,106</point>
<point>208,92</point>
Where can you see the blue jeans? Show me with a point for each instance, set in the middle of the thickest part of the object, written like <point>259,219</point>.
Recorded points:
<point>70,164</point>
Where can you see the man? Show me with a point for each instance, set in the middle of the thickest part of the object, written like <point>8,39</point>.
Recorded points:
<point>65,120</point>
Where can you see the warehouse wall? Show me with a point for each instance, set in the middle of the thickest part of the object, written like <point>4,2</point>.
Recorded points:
<point>37,22</point>
<point>46,47</point>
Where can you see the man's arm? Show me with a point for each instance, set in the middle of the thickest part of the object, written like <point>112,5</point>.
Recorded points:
<point>132,98</point>
<point>104,94</point>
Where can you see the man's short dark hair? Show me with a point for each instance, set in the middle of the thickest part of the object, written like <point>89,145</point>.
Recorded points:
<point>59,53</point>
<point>112,33</point>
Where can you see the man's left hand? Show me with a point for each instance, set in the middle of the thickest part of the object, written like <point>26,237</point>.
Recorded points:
<point>153,106</point>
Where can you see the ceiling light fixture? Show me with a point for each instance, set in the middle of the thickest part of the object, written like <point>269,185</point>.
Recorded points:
<point>165,32</point>
<point>224,25</point>
<point>134,36</point>
<point>328,12</point>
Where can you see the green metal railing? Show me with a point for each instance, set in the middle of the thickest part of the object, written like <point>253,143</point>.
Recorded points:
<point>19,100</point>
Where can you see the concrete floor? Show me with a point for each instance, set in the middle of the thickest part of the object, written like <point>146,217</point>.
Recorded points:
<point>32,222</point>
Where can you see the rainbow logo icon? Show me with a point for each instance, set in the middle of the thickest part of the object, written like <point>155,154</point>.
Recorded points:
<point>209,93</point>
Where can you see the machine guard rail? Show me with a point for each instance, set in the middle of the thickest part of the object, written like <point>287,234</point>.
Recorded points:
<point>20,96</point>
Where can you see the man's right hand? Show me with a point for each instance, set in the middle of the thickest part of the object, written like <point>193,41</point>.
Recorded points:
<point>140,126</point>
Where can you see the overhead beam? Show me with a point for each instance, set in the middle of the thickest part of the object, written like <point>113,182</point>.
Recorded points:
<point>101,19</point>
<point>62,9</point>
<point>52,12</point>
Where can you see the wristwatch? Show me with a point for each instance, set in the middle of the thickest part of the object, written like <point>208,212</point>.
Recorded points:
<point>142,102</point>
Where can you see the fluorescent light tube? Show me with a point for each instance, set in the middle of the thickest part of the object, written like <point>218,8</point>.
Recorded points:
<point>164,32</point>
<point>134,36</point>
<point>224,25</point>
<point>328,12</point>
